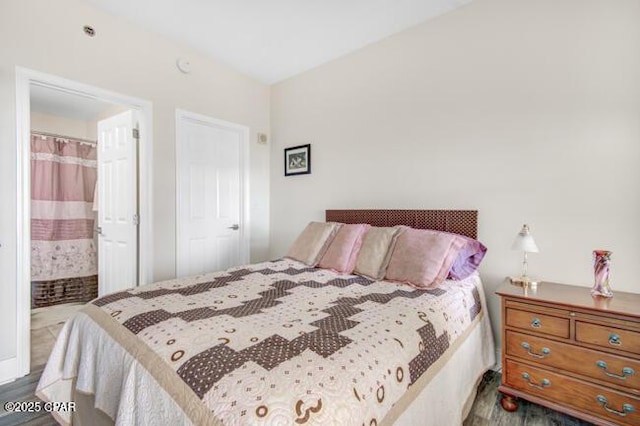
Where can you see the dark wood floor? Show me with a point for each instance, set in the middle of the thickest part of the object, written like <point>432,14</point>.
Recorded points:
<point>486,410</point>
<point>23,389</point>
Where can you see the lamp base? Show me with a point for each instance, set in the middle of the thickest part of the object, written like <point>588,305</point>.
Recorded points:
<point>524,281</point>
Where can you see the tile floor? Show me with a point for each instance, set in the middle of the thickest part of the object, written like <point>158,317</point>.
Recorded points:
<point>46,323</point>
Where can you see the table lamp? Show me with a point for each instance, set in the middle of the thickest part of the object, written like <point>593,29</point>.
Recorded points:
<point>524,242</point>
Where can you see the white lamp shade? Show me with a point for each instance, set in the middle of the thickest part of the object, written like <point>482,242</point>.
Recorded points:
<point>524,241</point>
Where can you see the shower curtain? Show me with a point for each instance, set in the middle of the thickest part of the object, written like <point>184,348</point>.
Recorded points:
<point>63,254</point>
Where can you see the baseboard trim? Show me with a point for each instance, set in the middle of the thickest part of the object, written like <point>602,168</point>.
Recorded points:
<point>8,370</point>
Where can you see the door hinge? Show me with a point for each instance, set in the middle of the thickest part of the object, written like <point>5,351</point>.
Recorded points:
<point>136,219</point>
<point>136,134</point>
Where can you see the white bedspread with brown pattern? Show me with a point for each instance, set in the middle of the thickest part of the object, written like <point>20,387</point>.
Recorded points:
<point>270,343</point>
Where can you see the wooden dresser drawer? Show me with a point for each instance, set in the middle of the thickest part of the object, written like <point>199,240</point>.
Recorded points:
<point>608,337</point>
<point>539,323</point>
<point>596,400</point>
<point>614,369</point>
<point>571,352</point>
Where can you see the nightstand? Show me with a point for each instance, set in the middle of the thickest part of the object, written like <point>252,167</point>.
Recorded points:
<point>573,353</point>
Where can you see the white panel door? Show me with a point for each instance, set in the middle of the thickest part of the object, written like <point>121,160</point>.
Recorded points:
<point>210,228</point>
<point>117,204</point>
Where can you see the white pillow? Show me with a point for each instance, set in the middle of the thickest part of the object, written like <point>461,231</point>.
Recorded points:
<point>314,240</point>
<point>376,250</point>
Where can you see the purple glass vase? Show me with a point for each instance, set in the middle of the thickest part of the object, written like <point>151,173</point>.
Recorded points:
<point>601,263</point>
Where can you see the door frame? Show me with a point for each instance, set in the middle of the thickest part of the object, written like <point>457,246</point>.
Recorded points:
<point>24,79</point>
<point>182,116</point>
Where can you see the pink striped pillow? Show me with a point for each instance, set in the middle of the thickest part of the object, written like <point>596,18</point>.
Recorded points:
<point>343,251</point>
<point>423,257</point>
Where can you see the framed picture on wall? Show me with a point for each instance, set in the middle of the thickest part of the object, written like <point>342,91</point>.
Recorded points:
<point>297,160</point>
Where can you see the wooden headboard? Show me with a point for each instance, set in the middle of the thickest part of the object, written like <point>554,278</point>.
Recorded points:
<point>463,222</point>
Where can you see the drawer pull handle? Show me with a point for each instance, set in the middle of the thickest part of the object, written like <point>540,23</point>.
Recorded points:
<point>615,340</point>
<point>626,408</point>
<point>536,323</point>
<point>544,384</point>
<point>626,371</point>
<point>545,351</point>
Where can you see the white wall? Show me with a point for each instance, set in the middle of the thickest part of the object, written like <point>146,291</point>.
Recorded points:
<point>62,126</point>
<point>528,111</point>
<point>47,36</point>
<point>66,126</point>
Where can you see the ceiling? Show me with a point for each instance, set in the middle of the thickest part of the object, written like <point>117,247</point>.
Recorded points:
<point>276,39</point>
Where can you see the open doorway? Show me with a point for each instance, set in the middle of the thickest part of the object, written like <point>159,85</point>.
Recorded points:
<point>85,198</point>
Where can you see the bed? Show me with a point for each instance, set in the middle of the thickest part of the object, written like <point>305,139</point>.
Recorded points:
<point>279,343</point>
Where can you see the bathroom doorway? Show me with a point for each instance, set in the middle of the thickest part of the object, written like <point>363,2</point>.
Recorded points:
<point>86,159</point>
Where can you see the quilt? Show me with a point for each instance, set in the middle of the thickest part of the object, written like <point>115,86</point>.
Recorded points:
<point>279,342</point>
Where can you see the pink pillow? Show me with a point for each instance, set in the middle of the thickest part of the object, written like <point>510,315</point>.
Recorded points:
<point>343,251</point>
<point>423,257</point>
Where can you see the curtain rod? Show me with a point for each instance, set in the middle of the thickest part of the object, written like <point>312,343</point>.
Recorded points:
<point>68,138</point>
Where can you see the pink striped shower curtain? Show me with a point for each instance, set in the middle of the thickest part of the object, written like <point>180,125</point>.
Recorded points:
<point>63,179</point>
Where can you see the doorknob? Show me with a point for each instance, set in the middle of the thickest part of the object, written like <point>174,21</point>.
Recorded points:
<point>235,227</point>
<point>99,230</point>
